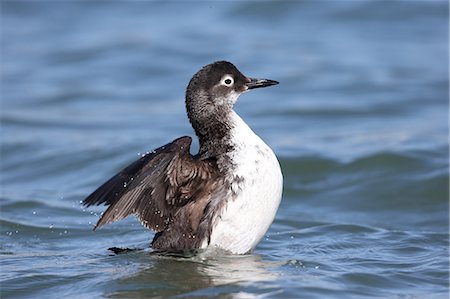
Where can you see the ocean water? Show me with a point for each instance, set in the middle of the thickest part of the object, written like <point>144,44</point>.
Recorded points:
<point>359,123</point>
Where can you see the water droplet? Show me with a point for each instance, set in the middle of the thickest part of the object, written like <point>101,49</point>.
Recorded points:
<point>124,184</point>
<point>34,212</point>
<point>316,267</point>
<point>295,263</point>
<point>51,226</point>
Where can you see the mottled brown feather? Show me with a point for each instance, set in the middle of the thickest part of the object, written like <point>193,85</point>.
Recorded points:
<point>163,188</point>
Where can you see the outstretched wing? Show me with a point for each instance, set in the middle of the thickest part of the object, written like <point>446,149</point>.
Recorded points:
<point>154,187</point>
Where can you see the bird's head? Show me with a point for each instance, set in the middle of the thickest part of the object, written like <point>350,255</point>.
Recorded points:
<point>215,88</point>
<point>211,95</point>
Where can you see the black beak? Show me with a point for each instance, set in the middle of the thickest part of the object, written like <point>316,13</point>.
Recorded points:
<point>257,83</point>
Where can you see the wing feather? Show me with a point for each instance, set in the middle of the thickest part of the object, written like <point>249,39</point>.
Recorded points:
<point>154,187</point>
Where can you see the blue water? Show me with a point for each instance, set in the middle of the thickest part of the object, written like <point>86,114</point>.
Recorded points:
<point>359,123</point>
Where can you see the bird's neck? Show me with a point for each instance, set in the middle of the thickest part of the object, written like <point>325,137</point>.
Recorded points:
<point>233,134</point>
<point>212,124</point>
<point>215,136</point>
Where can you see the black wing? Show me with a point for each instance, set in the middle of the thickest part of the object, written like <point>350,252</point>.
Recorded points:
<point>154,187</point>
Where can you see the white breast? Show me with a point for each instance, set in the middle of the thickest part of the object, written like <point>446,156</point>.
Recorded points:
<point>245,219</point>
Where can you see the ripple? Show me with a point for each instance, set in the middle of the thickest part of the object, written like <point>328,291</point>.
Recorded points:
<point>359,122</point>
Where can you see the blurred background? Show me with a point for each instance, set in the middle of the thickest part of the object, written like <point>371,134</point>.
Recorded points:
<point>359,123</point>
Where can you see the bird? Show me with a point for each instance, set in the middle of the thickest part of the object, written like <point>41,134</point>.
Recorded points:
<point>224,197</point>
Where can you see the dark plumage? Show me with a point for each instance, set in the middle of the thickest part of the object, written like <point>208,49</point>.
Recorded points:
<point>169,190</point>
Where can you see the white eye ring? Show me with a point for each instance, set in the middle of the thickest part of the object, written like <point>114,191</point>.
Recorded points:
<point>227,80</point>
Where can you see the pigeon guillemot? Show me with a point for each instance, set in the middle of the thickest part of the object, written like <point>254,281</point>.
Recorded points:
<point>225,196</point>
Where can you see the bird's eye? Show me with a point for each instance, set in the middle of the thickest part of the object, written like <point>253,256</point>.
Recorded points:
<point>227,80</point>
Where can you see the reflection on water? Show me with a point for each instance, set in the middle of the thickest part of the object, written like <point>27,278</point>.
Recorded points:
<point>190,276</point>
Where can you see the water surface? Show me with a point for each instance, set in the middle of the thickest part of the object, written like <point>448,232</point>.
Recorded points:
<point>359,123</point>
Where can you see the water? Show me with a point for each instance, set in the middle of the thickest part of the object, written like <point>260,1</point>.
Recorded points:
<point>359,123</point>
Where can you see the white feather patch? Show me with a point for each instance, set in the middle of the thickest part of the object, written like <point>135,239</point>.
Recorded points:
<point>258,186</point>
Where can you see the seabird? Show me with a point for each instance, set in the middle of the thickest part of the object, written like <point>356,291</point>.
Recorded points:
<point>226,196</point>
